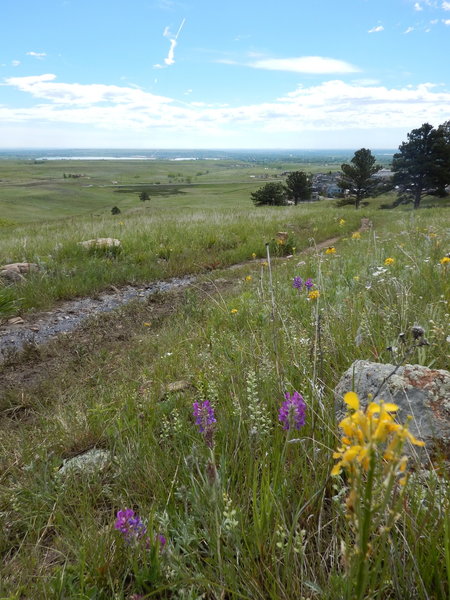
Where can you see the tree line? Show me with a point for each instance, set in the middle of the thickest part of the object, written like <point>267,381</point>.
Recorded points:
<point>420,167</point>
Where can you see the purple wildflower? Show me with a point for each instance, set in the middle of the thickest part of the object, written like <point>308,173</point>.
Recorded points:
<point>204,415</point>
<point>205,419</point>
<point>161,540</point>
<point>130,525</point>
<point>297,283</point>
<point>292,411</point>
<point>309,284</point>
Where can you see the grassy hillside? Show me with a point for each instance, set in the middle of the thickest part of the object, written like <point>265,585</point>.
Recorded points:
<point>237,507</point>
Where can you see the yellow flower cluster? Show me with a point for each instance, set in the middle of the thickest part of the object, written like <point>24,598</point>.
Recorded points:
<point>248,278</point>
<point>363,431</point>
<point>445,260</point>
<point>314,294</point>
<point>330,250</point>
<point>233,311</point>
<point>356,235</point>
<point>389,261</point>
<point>342,222</point>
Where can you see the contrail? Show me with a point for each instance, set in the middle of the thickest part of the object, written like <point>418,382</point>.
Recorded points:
<point>180,28</point>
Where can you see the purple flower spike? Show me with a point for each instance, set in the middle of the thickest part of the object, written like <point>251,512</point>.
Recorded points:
<point>297,283</point>
<point>161,540</point>
<point>130,525</point>
<point>309,284</point>
<point>204,415</point>
<point>292,411</point>
<point>205,419</point>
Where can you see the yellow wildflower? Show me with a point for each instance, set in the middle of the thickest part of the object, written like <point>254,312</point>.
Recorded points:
<point>294,248</point>
<point>363,430</point>
<point>146,324</point>
<point>445,260</point>
<point>356,277</point>
<point>248,278</point>
<point>341,222</point>
<point>253,255</point>
<point>265,264</point>
<point>330,250</point>
<point>389,261</point>
<point>356,235</point>
<point>314,294</point>
<point>234,311</point>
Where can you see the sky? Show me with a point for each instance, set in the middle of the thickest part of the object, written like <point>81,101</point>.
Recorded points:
<point>292,74</point>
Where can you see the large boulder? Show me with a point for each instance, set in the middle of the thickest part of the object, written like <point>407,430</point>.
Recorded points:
<point>419,391</point>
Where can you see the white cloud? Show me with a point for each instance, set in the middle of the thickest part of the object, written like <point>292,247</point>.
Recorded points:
<point>122,111</point>
<point>409,29</point>
<point>38,55</point>
<point>15,63</point>
<point>305,64</point>
<point>376,29</point>
<point>173,39</point>
<point>446,5</point>
<point>446,21</point>
<point>418,7</point>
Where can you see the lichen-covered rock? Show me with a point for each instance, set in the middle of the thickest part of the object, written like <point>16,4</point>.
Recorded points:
<point>419,391</point>
<point>89,463</point>
<point>101,243</point>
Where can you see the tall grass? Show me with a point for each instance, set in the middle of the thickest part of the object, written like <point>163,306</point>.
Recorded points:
<point>256,514</point>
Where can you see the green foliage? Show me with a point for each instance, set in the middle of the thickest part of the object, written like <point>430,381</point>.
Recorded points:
<point>144,196</point>
<point>422,165</point>
<point>358,177</point>
<point>298,186</point>
<point>271,194</point>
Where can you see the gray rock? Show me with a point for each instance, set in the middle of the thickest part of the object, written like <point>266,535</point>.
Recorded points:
<point>419,391</point>
<point>89,463</point>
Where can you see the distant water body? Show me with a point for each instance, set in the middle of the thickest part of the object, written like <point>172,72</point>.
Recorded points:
<point>331,156</point>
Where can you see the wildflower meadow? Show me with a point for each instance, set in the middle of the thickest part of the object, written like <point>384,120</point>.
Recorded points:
<point>229,474</point>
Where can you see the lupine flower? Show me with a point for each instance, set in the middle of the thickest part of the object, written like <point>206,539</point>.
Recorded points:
<point>292,411</point>
<point>130,525</point>
<point>297,283</point>
<point>389,261</point>
<point>309,284</point>
<point>161,540</point>
<point>205,419</point>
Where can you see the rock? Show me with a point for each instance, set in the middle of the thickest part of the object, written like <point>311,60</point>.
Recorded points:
<point>175,386</point>
<point>101,243</point>
<point>91,462</point>
<point>15,321</point>
<point>419,391</point>
<point>11,275</point>
<point>22,268</point>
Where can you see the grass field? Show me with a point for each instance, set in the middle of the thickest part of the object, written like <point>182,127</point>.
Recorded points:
<point>247,509</point>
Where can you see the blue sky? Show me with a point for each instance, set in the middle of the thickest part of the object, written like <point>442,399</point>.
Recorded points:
<point>232,74</point>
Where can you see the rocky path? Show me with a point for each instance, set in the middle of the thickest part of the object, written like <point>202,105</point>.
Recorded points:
<point>38,328</point>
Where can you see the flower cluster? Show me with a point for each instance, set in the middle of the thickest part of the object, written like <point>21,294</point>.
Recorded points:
<point>314,295</point>
<point>130,525</point>
<point>445,260</point>
<point>389,261</point>
<point>298,283</point>
<point>293,411</point>
<point>363,431</point>
<point>330,250</point>
<point>356,235</point>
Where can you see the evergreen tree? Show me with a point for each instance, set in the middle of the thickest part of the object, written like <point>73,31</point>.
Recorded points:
<point>358,177</point>
<point>298,186</point>
<point>271,194</point>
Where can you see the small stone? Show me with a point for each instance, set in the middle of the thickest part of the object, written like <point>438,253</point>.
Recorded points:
<point>16,321</point>
<point>89,463</point>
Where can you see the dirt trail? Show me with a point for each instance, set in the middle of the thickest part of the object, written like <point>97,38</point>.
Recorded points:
<point>36,329</point>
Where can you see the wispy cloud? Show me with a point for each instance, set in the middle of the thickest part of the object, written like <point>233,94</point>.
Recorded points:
<point>38,55</point>
<point>173,39</point>
<point>446,5</point>
<point>418,7</point>
<point>305,64</point>
<point>376,29</point>
<point>15,63</point>
<point>446,21</point>
<point>408,30</point>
